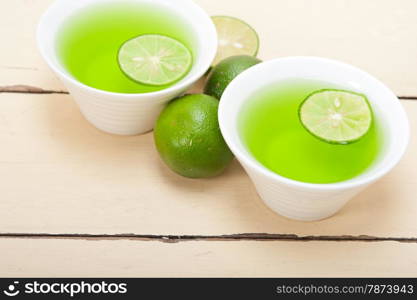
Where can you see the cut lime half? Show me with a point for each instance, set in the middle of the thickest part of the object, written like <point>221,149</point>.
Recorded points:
<point>336,116</point>
<point>154,59</point>
<point>235,38</point>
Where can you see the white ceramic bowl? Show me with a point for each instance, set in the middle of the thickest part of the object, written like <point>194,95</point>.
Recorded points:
<point>118,113</point>
<point>300,200</point>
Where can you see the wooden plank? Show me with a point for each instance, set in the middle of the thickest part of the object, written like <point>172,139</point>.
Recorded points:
<point>61,175</point>
<point>123,258</point>
<point>20,61</point>
<point>375,35</point>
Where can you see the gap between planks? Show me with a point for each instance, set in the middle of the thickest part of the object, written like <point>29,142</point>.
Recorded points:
<point>27,89</point>
<point>226,237</point>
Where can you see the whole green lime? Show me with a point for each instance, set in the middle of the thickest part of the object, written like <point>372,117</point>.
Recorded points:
<point>226,71</point>
<point>188,137</point>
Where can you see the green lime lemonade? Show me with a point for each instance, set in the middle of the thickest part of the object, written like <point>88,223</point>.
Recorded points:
<point>271,129</point>
<point>89,41</point>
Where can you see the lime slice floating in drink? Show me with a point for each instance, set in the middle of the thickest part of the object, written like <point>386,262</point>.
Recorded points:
<point>235,38</point>
<point>336,116</point>
<point>154,59</point>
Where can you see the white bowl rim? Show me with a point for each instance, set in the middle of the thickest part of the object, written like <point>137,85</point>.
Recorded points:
<point>210,42</point>
<point>251,162</point>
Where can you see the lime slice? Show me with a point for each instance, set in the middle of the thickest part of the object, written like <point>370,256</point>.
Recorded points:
<point>235,38</point>
<point>154,59</point>
<point>336,116</point>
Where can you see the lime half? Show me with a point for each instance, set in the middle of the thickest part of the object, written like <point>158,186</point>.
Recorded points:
<point>154,59</point>
<point>336,116</point>
<point>235,38</point>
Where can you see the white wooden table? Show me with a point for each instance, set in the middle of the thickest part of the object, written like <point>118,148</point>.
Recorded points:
<point>78,202</point>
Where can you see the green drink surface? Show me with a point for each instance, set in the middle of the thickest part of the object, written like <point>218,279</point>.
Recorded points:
<point>88,42</point>
<point>272,132</point>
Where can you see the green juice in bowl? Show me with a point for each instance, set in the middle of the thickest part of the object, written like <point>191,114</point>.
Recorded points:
<point>271,130</point>
<point>88,42</point>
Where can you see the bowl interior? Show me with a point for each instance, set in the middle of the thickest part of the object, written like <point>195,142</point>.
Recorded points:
<point>205,36</point>
<point>385,104</point>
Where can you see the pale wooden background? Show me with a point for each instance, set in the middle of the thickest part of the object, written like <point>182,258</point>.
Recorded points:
<point>78,202</point>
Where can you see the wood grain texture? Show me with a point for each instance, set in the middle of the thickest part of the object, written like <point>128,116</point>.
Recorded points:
<point>61,175</point>
<point>376,35</point>
<point>68,258</point>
